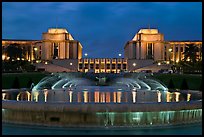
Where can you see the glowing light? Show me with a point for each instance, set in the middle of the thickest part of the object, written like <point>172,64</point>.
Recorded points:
<point>188,97</point>
<point>35,49</point>
<point>170,50</point>
<point>159,96</point>
<point>46,63</point>
<point>119,55</point>
<point>159,64</point>
<point>177,96</point>
<point>3,57</point>
<point>18,58</point>
<point>96,97</point>
<point>85,54</point>
<point>3,96</point>
<point>118,97</point>
<point>70,63</point>
<point>85,96</point>
<point>70,96</point>
<point>167,62</point>
<point>134,64</point>
<point>45,94</point>
<point>134,97</point>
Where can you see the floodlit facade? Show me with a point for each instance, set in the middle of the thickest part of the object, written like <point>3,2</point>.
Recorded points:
<point>146,44</point>
<point>58,45</point>
<point>173,50</point>
<point>103,65</point>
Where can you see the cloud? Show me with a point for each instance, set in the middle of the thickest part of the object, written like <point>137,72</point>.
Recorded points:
<point>103,28</point>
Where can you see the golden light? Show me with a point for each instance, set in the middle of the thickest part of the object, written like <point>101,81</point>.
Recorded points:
<point>159,64</point>
<point>134,64</point>
<point>159,96</point>
<point>23,59</point>
<point>170,50</point>
<point>35,49</point>
<point>177,61</point>
<point>177,96</point>
<point>188,97</point>
<point>167,62</point>
<point>8,58</point>
<point>3,57</point>
<point>18,58</point>
<point>46,63</point>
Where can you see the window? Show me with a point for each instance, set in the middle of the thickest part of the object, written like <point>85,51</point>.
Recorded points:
<point>108,66</point>
<point>113,66</point>
<point>80,66</point>
<point>97,66</point>
<point>176,49</point>
<point>55,56</point>
<point>119,66</point>
<point>124,66</point>
<point>181,49</point>
<point>149,50</point>
<point>91,66</point>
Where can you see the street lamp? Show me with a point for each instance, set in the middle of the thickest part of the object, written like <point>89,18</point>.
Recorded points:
<point>134,64</point>
<point>119,55</point>
<point>85,54</point>
<point>35,49</point>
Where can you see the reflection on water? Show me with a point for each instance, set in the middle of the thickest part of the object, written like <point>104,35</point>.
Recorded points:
<point>98,95</point>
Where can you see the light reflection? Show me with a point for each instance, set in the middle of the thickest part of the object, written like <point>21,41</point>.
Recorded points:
<point>177,96</point>
<point>188,97</point>
<point>134,97</point>
<point>85,96</point>
<point>96,97</point>
<point>45,94</point>
<point>70,96</point>
<point>159,96</point>
<point>3,96</point>
<point>119,97</point>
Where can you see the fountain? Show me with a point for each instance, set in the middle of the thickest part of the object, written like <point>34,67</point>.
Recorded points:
<point>67,100</point>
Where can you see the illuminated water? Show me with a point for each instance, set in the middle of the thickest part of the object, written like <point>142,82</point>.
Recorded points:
<point>11,129</point>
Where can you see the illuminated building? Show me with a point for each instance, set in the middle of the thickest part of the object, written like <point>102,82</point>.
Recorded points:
<point>146,44</point>
<point>102,65</point>
<point>59,47</point>
<point>59,44</point>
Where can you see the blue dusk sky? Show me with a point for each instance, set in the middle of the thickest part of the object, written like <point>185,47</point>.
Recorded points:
<point>103,28</point>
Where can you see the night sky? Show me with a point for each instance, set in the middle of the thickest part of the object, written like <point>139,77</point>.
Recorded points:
<point>103,28</point>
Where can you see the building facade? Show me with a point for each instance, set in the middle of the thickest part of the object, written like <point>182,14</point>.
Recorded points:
<point>58,46</point>
<point>102,65</point>
<point>146,44</point>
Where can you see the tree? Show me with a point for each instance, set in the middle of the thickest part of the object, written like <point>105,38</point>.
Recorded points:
<point>171,84</point>
<point>14,51</point>
<point>184,85</point>
<point>16,83</point>
<point>190,52</point>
